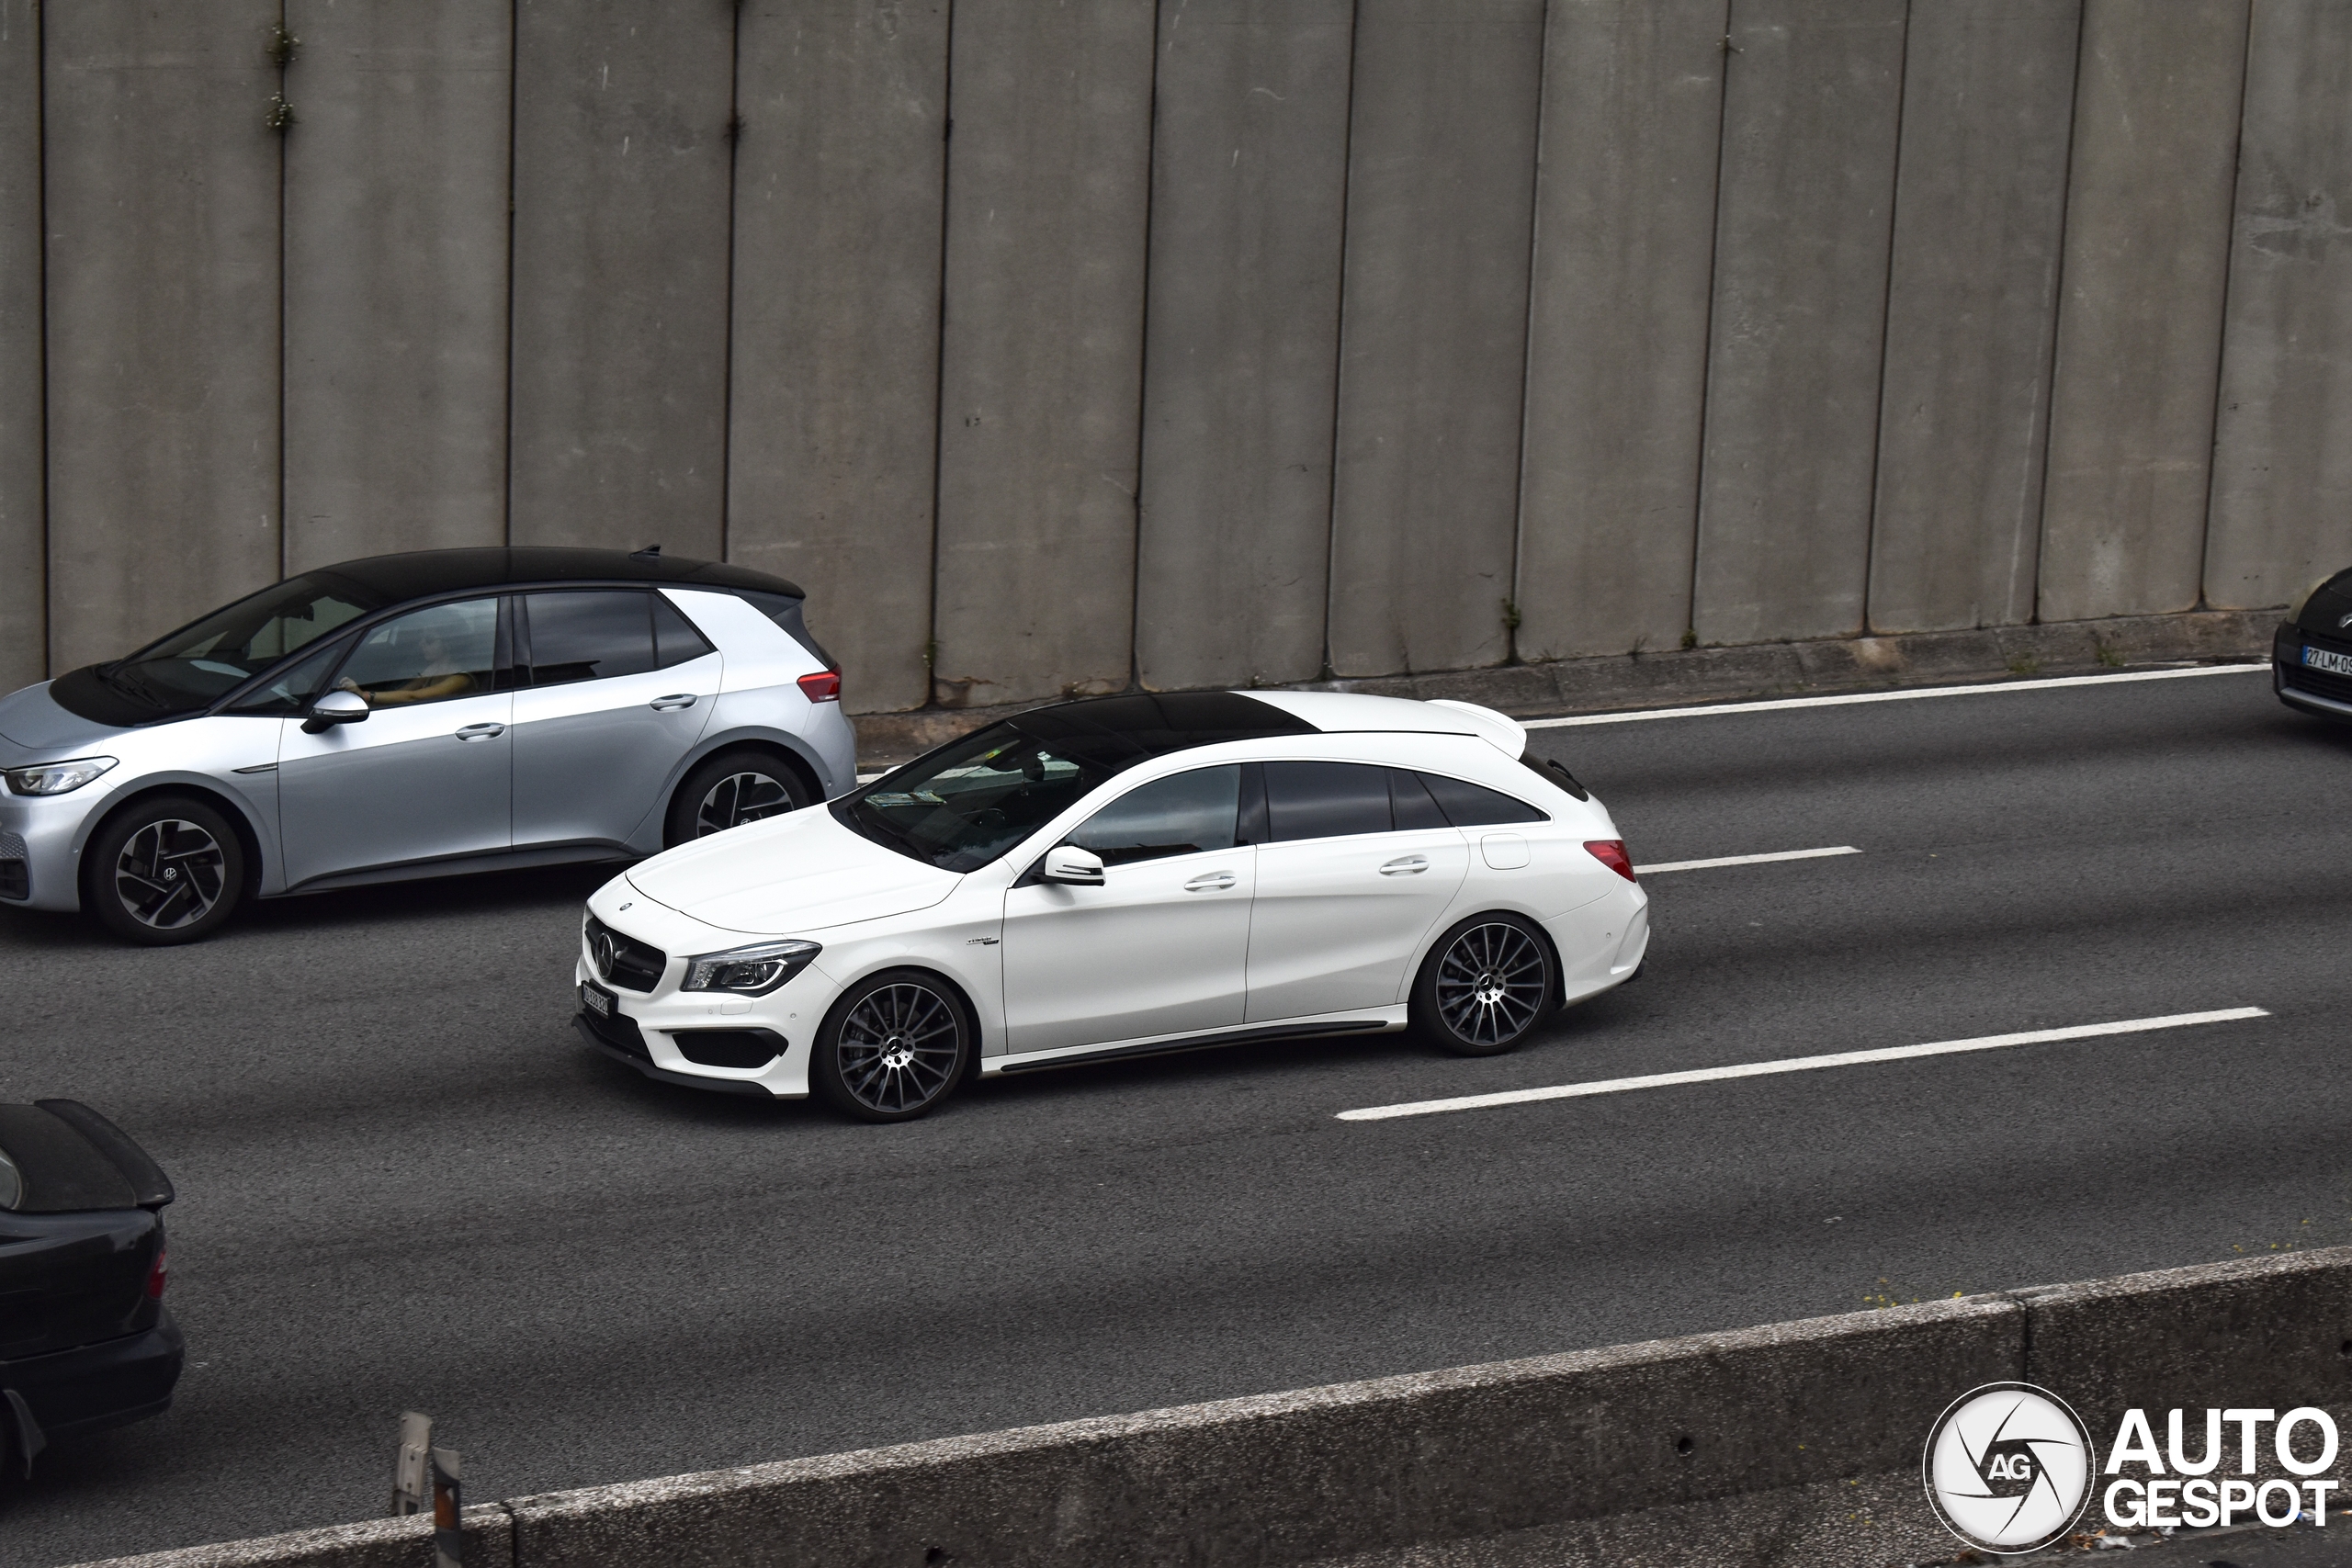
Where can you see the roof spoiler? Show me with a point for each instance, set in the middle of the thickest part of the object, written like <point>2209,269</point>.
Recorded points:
<point>151,1189</point>
<point>1499,729</point>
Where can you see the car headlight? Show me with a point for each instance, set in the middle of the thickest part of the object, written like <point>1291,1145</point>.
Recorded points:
<point>57,778</point>
<point>752,971</point>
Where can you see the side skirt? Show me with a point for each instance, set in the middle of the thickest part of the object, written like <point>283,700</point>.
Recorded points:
<point>1304,1028</point>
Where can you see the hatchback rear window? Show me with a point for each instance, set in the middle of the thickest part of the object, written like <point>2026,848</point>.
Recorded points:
<point>1476,805</point>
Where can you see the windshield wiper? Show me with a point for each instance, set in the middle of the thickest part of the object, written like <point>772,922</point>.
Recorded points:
<point>115,676</point>
<point>874,826</point>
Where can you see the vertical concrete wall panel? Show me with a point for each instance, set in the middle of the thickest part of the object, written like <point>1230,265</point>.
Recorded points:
<point>1810,116</point>
<point>23,656</point>
<point>838,201</point>
<point>1248,196</point>
<point>396,331</point>
<point>1980,210</point>
<point>2282,459</point>
<point>163,271</point>
<point>1434,334</point>
<point>1617,351</point>
<point>2140,307</point>
<point>621,196</point>
<point>1042,360</point>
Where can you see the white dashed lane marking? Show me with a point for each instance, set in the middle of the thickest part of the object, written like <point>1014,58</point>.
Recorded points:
<point>1798,1065</point>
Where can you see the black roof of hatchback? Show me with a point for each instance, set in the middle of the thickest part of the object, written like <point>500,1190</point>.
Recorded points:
<point>421,573</point>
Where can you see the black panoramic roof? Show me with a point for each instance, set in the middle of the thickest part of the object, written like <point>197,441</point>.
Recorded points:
<point>1155,723</point>
<point>390,580</point>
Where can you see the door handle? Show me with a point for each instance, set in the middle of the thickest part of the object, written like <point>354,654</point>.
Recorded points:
<point>482,731</point>
<point>676,700</point>
<point>1210,882</point>
<point>1405,866</point>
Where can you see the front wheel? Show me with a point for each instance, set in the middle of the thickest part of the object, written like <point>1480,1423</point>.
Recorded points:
<point>730,789</point>
<point>169,870</point>
<point>893,1048</point>
<point>1485,986</point>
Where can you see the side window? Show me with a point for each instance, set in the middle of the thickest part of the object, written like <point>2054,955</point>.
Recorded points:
<point>589,634</point>
<point>293,691</point>
<point>1175,816</point>
<point>1411,799</point>
<point>426,656</point>
<point>675,638</point>
<point>1476,805</point>
<point>1325,800</point>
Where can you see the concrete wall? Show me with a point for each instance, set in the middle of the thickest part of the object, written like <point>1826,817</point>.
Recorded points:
<point>1794,1442</point>
<point>1055,347</point>
<point>2282,459</point>
<point>23,613</point>
<point>396,248</point>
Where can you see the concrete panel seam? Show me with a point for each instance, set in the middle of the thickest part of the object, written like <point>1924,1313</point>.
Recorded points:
<point>1339,341</point>
<point>1886,319</point>
<point>1707,339</point>
<point>2229,280</point>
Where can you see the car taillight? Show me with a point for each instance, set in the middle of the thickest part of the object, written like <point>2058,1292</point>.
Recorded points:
<point>1611,853</point>
<point>824,686</point>
<point>158,1273</point>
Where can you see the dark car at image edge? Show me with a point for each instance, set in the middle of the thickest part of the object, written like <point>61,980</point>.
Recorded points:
<point>86,1342</point>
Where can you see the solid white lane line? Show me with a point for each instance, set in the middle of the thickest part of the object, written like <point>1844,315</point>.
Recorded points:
<point>1845,697</point>
<point>1744,860</point>
<point>1798,1065</point>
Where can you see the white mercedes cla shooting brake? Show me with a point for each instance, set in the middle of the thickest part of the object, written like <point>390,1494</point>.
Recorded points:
<point>1121,877</point>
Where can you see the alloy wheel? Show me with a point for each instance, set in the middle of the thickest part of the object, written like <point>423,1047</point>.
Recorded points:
<point>738,798</point>
<point>900,1047</point>
<point>170,874</point>
<point>1491,984</point>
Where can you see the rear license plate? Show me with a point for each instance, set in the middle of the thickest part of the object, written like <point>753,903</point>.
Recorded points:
<point>2333,663</point>
<point>596,1000</point>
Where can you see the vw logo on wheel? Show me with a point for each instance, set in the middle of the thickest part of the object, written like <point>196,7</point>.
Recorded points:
<point>2009,1467</point>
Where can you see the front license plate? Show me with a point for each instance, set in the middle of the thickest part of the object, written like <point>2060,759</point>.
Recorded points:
<point>2333,663</point>
<point>596,1000</point>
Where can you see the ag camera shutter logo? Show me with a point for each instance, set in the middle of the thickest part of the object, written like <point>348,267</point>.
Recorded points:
<point>2009,1467</point>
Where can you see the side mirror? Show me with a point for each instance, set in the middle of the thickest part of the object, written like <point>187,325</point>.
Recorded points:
<point>332,708</point>
<point>1077,867</point>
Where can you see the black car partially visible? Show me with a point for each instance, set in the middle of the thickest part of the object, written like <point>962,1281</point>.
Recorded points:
<point>85,1341</point>
<point>2310,659</point>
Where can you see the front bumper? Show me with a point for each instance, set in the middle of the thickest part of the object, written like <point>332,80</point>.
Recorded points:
<point>91,1387</point>
<point>43,835</point>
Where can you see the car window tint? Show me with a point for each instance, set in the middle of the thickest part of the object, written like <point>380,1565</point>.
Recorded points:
<point>1411,799</point>
<point>966,803</point>
<point>675,638</point>
<point>1176,816</point>
<point>1324,800</point>
<point>1476,805</point>
<point>589,635</point>
<point>425,656</point>
<point>292,691</point>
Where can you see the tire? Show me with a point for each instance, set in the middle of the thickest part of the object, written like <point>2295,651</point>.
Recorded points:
<point>730,789</point>
<point>168,870</point>
<point>1485,986</point>
<point>893,1047</point>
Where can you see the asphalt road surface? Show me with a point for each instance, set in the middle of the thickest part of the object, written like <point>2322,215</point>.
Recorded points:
<point>405,1183</point>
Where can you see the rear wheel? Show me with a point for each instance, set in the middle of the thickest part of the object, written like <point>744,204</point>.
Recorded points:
<point>168,870</point>
<point>730,789</point>
<point>1485,986</point>
<point>893,1048</point>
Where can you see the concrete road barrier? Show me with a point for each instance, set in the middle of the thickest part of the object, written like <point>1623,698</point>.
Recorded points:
<point>1794,1442</point>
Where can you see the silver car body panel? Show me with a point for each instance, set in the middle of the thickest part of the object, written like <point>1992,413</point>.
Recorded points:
<point>444,804</point>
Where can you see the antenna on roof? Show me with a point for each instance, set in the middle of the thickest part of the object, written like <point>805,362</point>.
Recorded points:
<point>650,552</point>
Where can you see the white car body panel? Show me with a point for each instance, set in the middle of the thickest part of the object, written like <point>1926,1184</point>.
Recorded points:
<point>1309,936</point>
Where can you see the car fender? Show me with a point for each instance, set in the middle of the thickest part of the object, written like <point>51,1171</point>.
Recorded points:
<point>259,822</point>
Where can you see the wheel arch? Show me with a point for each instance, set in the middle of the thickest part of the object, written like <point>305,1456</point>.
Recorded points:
<point>907,963</point>
<point>1439,933</point>
<point>790,750</point>
<point>238,815</point>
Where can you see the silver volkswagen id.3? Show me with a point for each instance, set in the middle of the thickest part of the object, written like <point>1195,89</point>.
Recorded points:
<point>415,715</point>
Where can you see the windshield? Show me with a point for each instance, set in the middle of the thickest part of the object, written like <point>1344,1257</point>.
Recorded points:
<point>965,804</point>
<point>196,664</point>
